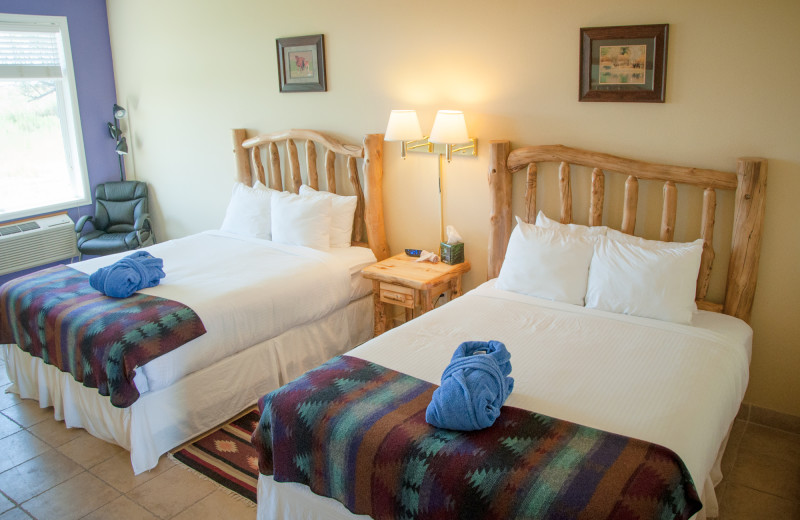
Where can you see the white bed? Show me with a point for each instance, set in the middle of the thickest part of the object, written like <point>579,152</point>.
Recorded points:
<point>271,311</point>
<point>677,385</point>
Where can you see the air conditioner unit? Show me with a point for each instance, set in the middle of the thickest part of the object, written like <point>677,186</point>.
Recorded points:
<point>36,242</point>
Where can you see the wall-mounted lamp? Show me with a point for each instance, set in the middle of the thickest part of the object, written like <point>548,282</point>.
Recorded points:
<point>450,129</point>
<point>116,133</point>
<point>404,126</point>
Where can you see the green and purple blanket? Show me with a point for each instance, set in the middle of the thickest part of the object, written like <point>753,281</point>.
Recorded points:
<point>356,432</point>
<point>55,315</point>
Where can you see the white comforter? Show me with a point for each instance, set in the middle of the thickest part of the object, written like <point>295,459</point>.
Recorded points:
<point>244,290</point>
<point>675,385</point>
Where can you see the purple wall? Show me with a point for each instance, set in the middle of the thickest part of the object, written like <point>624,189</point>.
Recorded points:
<point>94,76</point>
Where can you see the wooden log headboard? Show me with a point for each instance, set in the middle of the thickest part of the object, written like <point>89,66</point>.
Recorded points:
<point>369,210</point>
<point>749,183</point>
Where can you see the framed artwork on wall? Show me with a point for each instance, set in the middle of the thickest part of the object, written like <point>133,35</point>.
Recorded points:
<point>624,63</point>
<point>301,64</point>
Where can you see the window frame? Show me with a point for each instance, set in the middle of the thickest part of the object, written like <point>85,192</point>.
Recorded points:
<point>68,112</point>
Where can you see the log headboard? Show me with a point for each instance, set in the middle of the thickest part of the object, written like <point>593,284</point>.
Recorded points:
<point>369,210</point>
<point>749,183</point>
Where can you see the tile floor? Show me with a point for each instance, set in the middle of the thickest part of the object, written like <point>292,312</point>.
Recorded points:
<point>50,472</point>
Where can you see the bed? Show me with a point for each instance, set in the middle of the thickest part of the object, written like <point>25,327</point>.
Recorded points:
<point>669,382</point>
<point>271,309</point>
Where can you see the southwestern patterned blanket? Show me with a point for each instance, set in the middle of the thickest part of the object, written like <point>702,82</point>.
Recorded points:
<point>55,315</point>
<point>356,432</point>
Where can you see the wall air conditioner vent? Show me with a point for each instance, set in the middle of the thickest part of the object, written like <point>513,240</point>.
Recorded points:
<point>36,242</point>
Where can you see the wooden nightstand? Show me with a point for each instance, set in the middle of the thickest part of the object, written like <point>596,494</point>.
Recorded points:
<point>401,280</point>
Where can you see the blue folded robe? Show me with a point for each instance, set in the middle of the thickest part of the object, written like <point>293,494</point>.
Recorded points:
<point>474,387</point>
<point>128,275</point>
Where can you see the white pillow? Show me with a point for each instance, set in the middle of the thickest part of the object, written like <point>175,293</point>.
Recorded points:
<point>543,221</point>
<point>343,209</point>
<point>546,263</point>
<point>647,278</point>
<point>249,211</point>
<point>301,221</point>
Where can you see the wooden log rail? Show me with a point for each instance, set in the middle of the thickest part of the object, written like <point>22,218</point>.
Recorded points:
<point>749,182</point>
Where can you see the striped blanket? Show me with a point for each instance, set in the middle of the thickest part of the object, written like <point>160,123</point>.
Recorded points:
<point>55,315</point>
<point>356,432</point>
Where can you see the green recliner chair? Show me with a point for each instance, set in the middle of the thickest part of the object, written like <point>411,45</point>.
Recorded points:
<point>121,221</point>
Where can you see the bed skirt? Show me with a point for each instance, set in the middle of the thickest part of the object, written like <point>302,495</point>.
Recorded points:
<point>161,420</point>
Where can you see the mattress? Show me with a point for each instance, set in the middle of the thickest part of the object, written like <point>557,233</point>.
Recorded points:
<point>675,385</point>
<point>245,291</point>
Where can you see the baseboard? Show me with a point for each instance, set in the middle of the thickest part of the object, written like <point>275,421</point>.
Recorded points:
<point>766,417</point>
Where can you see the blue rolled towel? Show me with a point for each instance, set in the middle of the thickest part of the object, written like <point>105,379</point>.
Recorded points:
<point>474,386</point>
<point>128,275</point>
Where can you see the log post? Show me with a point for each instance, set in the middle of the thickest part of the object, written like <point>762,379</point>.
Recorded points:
<point>311,164</point>
<point>500,209</point>
<point>330,169</point>
<point>630,205</point>
<point>566,193</point>
<point>358,222</point>
<point>243,171</point>
<point>748,223</point>
<point>294,165</point>
<point>598,192</point>
<point>373,189</point>
<point>255,157</point>
<point>530,193</point>
<point>669,211</point>
<point>275,175</point>
<point>707,234</point>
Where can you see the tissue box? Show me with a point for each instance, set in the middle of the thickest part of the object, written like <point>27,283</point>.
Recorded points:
<point>452,253</point>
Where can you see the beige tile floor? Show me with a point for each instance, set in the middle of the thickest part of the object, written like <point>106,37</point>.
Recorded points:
<point>50,472</point>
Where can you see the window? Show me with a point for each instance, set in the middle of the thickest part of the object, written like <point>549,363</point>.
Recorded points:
<point>43,166</point>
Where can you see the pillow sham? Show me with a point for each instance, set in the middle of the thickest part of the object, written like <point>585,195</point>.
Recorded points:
<point>248,212</point>
<point>546,263</point>
<point>301,221</point>
<point>543,221</point>
<point>343,209</point>
<point>648,278</point>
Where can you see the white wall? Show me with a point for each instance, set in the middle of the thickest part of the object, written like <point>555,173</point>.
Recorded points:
<point>189,72</point>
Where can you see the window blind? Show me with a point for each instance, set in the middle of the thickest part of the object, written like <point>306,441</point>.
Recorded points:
<point>28,53</point>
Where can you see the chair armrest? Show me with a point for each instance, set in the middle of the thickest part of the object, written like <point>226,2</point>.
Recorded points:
<point>82,222</point>
<point>143,228</point>
<point>143,219</point>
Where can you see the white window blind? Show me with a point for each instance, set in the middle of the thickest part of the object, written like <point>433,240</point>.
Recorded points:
<point>44,166</point>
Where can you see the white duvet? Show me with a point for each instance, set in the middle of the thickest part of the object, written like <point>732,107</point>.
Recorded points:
<point>244,290</point>
<point>675,385</point>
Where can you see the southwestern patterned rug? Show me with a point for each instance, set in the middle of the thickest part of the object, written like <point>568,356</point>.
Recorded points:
<point>226,456</point>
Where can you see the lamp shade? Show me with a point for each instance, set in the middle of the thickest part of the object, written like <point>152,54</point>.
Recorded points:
<point>119,112</point>
<point>403,126</point>
<point>122,146</point>
<point>449,127</point>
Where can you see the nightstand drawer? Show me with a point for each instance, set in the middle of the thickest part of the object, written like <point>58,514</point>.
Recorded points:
<point>397,295</point>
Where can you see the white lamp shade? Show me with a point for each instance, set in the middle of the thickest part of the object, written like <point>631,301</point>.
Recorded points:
<point>403,126</point>
<point>449,127</point>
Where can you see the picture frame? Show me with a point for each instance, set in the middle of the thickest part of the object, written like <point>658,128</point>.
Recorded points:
<point>301,63</point>
<point>624,63</point>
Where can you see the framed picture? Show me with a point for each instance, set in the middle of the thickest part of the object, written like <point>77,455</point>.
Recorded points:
<point>624,63</point>
<point>301,64</point>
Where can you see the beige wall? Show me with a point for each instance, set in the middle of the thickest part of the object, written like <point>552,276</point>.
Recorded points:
<point>189,71</point>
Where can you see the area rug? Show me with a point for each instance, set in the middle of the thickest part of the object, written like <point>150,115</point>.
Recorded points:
<point>226,456</point>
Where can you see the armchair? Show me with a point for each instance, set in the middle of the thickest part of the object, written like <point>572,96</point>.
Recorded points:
<point>121,221</point>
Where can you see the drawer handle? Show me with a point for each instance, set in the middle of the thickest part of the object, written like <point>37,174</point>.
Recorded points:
<point>394,296</point>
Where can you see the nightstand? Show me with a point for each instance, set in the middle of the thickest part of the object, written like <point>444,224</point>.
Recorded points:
<point>401,280</point>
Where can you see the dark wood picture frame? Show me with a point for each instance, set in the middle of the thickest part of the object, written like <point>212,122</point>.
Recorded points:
<point>633,67</point>
<point>301,63</point>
